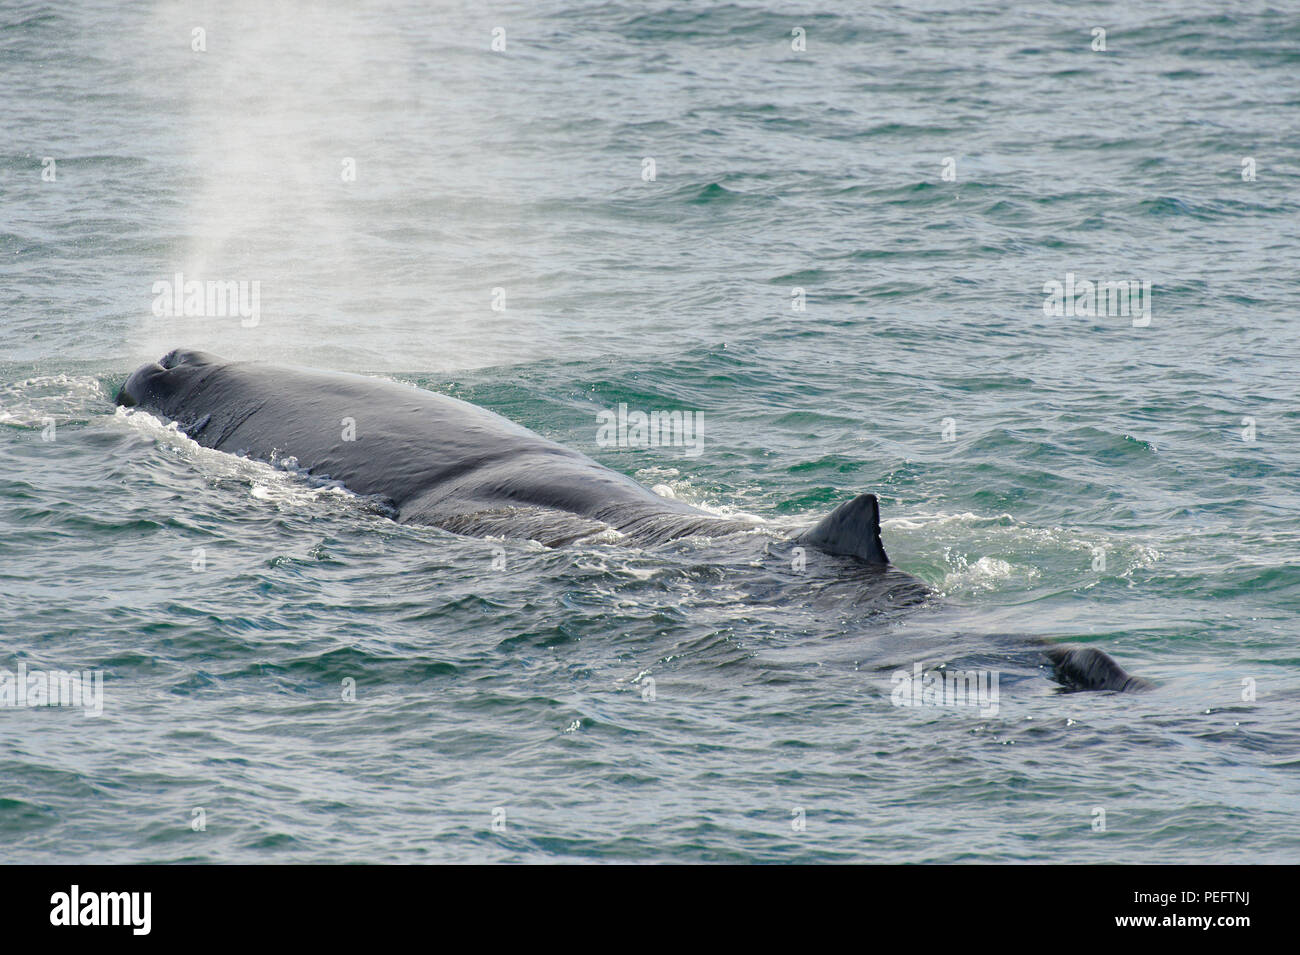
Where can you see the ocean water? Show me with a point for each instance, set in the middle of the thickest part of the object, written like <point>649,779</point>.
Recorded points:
<point>1131,486</point>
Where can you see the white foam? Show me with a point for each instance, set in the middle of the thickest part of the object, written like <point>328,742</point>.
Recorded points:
<point>31,402</point>
<point>282,483</point>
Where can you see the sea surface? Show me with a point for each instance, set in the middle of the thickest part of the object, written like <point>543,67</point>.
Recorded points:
<point>627,203</point>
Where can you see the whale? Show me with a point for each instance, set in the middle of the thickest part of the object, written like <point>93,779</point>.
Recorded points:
<point>426,458</point>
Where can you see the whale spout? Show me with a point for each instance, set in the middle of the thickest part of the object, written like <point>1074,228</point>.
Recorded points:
<point>851,530</point>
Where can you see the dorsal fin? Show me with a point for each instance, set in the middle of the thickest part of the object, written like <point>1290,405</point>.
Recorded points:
<point>851,530</point>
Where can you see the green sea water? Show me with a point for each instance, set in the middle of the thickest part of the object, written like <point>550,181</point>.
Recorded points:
<point>289,676</point>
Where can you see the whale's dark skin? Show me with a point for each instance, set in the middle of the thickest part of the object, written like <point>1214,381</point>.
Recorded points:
<point>432,459</point>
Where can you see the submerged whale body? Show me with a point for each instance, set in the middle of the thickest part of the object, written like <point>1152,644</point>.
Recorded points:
<point>432,459</point>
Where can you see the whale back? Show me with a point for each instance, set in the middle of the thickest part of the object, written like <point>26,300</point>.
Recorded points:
<point>431,458</point>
